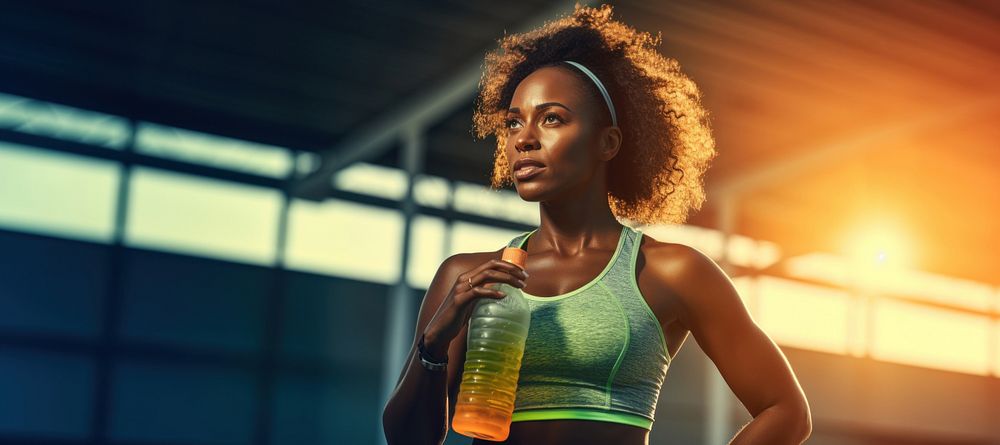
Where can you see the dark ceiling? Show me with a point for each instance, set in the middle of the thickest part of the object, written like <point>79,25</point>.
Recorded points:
<point>901,95</point>
<point>299,77</point>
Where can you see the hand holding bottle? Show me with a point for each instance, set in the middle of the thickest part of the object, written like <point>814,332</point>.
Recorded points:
<point>470,286</point>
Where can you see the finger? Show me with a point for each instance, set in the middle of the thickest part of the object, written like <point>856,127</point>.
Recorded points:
<point>487,292</point>
<point>470,294</point>
<point>511,268</point>
<point>496,276</point>
<point>484,266</point>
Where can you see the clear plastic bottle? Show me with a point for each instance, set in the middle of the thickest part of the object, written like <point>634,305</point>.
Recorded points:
<point>498,329</point>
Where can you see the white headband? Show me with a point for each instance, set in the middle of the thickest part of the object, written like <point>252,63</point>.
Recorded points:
<point>600,86</point>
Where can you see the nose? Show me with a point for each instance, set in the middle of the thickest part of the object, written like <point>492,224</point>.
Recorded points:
<point>526,140</point>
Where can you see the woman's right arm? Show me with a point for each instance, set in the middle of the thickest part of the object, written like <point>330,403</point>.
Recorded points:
<point>417,410</point>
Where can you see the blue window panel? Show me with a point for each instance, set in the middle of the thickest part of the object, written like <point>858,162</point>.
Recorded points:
<point>45,394</point>
<point>194,302</point>
<point>337,409</point>
<point>372,179</point>
<point>333,319</point>
<point>428,244</point>
<point>502,204</point>
<point>189,214</point>
<point>51,286</point>
<point>470,237</point>
<point>57,194</point>
<point>345,239</point>
<point>182,403</point>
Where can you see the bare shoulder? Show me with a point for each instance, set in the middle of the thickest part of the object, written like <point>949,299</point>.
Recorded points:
<point>671,262</point>
<point>688,275</point>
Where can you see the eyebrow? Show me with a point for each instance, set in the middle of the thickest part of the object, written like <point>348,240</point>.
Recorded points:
<point>541,106</point>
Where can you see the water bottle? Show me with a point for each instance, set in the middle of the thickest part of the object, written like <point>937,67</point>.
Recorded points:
<point>498,329</point>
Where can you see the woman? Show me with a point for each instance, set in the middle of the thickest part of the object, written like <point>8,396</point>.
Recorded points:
<point>596,126</point>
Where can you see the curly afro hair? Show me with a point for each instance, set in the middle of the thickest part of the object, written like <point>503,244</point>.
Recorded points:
<point>667,141</point>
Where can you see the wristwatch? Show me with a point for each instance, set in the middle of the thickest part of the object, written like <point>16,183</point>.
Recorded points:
<point>430,362</point>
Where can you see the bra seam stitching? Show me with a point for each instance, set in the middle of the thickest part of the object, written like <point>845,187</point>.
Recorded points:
<point>625,347</point>
<point>638,293</point>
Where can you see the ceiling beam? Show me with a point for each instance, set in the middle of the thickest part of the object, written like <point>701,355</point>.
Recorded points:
<point>377,136</point>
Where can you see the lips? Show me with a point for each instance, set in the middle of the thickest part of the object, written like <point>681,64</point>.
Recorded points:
<point>526,168</point>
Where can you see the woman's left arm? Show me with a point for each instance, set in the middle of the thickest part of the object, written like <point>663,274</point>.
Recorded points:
<point>749,361</point>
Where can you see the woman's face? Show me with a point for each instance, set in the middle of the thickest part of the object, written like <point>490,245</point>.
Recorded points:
<point>552,120</point>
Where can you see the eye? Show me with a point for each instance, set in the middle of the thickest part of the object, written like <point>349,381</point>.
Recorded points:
<point>510,122</point>
<point>553,116</point>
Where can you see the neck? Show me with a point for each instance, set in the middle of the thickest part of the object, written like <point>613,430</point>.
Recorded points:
<point>581,219</point>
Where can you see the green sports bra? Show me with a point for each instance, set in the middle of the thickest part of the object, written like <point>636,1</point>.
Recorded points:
<point>594,353</point>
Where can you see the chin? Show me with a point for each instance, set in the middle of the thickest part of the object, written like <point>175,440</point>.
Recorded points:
<point>530,192</point>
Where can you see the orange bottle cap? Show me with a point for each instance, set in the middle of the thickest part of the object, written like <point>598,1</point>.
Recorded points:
<point>515,255</point>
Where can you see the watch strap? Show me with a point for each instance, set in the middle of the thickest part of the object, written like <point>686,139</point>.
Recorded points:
<point>429,362</point>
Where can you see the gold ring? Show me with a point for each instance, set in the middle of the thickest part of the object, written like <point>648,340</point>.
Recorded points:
<point>470,283</point>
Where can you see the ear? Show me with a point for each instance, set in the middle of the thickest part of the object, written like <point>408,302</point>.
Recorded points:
<point>611,142</point>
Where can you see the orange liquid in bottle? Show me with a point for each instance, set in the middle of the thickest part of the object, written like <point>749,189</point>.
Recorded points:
<point>498,329</point>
